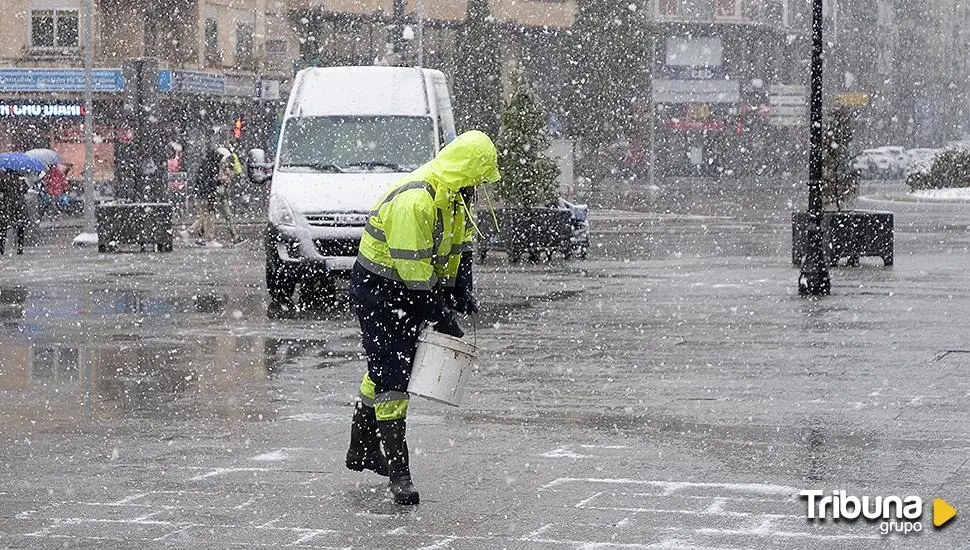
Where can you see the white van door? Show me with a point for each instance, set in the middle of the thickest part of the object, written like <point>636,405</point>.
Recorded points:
<point>442,103</point>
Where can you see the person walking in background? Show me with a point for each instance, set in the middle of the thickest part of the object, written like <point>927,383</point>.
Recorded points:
<point>413,267</point>
<point>13,208</point>
<point>233,169</point>
<point>55,186</point>
<point>211,177</point>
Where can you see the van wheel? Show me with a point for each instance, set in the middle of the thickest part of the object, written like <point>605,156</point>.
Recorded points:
<point>279,284</point>
<point>319,293</point>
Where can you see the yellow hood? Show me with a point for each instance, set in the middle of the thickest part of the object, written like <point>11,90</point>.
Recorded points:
<point>470,159</point>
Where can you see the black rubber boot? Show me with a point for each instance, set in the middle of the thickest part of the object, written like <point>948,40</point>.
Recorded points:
<point>365,443</point>
<point>396,449</point>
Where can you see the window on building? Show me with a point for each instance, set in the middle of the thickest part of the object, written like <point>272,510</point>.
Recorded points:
<point>245,53</point>
<point>54,29</point>
<point>275,54</point>
<point>776,13</point>
<point>213,56</point>
<point>727,8</point>
<point>668,7</point>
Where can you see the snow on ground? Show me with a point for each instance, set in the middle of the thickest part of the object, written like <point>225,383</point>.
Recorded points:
<point>960,193</point>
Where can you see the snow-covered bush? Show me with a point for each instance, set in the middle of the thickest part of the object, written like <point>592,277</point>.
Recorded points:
<point>951,169</point>
<point>840,181</point>
<point>528,173</point>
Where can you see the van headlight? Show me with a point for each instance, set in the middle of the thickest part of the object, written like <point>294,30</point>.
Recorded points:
<point>280,212</point>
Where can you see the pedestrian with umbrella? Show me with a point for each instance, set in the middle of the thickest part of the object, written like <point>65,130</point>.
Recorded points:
<point>47,156</point>
<point>54,184</point>
<point>22,163</point>
<point>13,208</point>
<point>13,191</point>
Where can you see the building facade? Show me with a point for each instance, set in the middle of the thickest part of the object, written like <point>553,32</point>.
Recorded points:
<point>727,85</point>
<point>219,67</point>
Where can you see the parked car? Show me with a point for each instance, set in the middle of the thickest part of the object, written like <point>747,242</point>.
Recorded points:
<point>885,162</point>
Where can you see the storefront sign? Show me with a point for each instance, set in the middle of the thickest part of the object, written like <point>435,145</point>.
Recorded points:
<point>59,80</point>
<point>695,91</point>
<point>852,99</point>
<point>40,110</point>
<point>695,72</point>
<point>190,82</point>
<point>239,86</point>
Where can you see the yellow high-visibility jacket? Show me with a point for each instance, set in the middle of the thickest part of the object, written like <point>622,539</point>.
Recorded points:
<point>416,233</point>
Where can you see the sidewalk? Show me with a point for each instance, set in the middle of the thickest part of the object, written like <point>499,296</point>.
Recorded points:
<point>63,230</point>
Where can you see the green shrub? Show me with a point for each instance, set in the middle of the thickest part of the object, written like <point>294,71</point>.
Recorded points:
<point>529,175</point>
<point>918,180</point>
<point>840,182</point>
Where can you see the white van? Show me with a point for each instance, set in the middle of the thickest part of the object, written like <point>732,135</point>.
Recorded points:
<point>347,134</point>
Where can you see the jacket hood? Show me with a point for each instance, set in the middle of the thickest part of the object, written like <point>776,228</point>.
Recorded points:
<point>470,159</point>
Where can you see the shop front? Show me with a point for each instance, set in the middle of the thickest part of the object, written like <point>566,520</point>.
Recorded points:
<point>44,108</point>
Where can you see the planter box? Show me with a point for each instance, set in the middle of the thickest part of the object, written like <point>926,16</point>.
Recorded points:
<point>537,232</point>
<point>138,223</point>
<point>849,234</point>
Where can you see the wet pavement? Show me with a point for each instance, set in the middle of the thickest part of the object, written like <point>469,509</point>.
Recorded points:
<point>671,391</point>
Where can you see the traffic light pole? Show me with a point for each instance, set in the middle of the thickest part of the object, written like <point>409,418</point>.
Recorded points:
<point>814,278</point>
<point>89,233</point>
<point>88,118</point>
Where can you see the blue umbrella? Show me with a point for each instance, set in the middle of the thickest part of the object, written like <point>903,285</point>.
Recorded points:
<point>19,162</point>
<point>47,156</point>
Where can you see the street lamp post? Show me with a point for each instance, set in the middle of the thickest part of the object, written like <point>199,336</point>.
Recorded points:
<point>420,33</point>
<point>814,277</point>
<point>652,173</point>
<point>89,234</point>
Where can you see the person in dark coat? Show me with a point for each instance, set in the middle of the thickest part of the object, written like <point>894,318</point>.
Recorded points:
<point>211,181</point>
<point>13,208</point>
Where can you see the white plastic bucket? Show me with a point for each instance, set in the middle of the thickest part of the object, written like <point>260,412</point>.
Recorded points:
<point>441,367</point>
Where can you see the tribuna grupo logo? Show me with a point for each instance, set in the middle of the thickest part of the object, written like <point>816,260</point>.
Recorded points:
<point>894,514</point>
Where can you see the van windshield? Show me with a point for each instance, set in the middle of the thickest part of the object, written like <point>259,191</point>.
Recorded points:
<point>356,143</point>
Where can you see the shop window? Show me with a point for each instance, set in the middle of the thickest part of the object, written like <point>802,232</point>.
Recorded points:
<point>213,56</point>
<point>245,58</point>
<point>54,30</point>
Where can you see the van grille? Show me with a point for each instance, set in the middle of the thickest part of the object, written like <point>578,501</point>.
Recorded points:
<point>337,247</point>
<point>337,219</point>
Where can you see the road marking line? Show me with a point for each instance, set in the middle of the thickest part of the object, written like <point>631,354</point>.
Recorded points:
<point>221,471</point>
<point>306,537</point>
<point>585,501</point>
<point>440,544</point>
<point>537,532</point>
<point>671,487</point>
